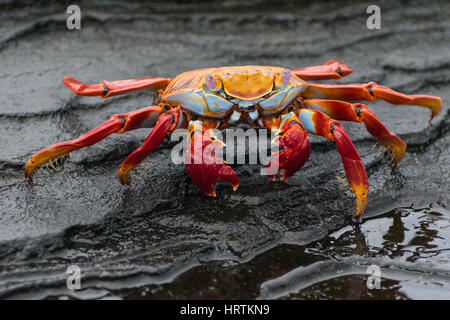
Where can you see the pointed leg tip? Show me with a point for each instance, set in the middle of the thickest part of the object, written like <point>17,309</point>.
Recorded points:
<point>124,179</point>
<point>227,174</point>
<point>361,202</point>
<point>433,115</point>
<point>347,71</point>
<point>396,147</point>
<point>125,183</point>
<point>344,69</point>
<point>397,155</point>
<point>286,174</point>
<point>395,160</point>
<point>70,81</point>
<point>29,170</point>
<point>124,174</point>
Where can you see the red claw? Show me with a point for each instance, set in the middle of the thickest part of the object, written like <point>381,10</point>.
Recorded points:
<point>204,167</point>
<point>295,152</point>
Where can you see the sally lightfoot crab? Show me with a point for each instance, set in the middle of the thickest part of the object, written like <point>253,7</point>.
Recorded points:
<point>272,97</point>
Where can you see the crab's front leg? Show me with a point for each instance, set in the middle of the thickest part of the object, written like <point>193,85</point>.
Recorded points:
<point>320,124</point>
<point>202,165</point>
<point>291,136</point>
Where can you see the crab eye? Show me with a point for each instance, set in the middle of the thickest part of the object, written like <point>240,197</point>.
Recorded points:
<point>210,81</point>
<point>286,76</point>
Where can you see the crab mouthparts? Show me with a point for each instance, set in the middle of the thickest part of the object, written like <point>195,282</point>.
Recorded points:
<point>243,105</point>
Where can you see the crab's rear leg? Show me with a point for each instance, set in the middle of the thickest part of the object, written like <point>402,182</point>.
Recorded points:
<point>371,91</point>
<point>331,69</point>
<point>358,112</point>
<point>202,165</point>
<point>118,123</point>
<point>112,88</point>
<point>319,123</point>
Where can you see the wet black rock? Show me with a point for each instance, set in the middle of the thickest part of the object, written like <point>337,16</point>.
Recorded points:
<point>139,241</point>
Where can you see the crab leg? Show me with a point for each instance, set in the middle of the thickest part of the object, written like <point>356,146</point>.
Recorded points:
<point>291,136</point>
<point>358,112</point>
<point>319,123</point>
<point>166,122</point>
<point>118,123</point>
<point>331,69</point>
<point>371,91</point>
<point>112,88</point>
<point>202,165</point>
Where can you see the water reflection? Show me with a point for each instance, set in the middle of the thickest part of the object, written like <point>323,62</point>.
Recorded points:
<point>411,245</point>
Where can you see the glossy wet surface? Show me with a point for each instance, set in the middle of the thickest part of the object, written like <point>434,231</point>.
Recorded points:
<point>162,238</point>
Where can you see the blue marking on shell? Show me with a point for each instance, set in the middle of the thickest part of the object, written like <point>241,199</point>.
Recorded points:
<point>200,103</point>
<point>292,94</point>
<point>190,100</point>
<point>180,118</point>
<point>217,104</point>
<point>274,101</point>
<point>306,118</point>
<point>235,116</point>
<point>281,99</point>
<point>205,103</point>
<point>253,115</point>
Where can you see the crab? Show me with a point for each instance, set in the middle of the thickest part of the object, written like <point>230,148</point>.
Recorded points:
<point>275,98</point>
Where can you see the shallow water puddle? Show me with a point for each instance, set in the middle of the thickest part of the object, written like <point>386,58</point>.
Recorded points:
<point>409,245</point>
